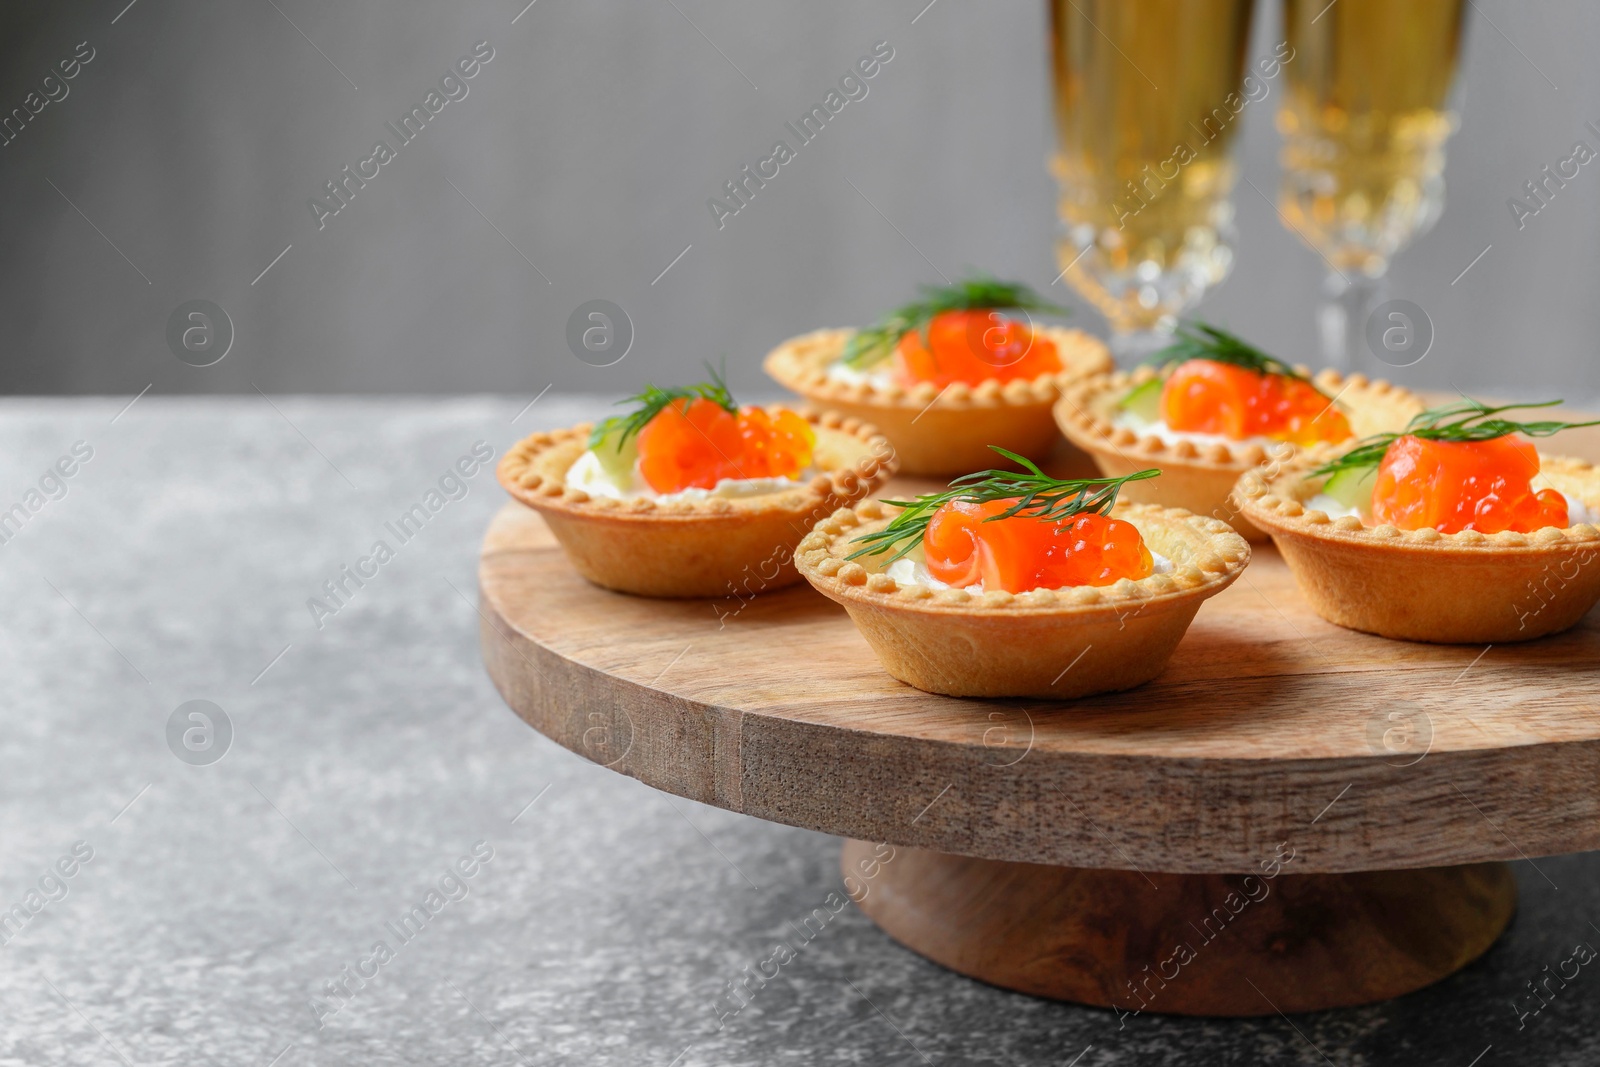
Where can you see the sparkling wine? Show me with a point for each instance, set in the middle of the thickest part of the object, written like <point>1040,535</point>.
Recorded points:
<point>1364,123</point>
<point>1149,95</point>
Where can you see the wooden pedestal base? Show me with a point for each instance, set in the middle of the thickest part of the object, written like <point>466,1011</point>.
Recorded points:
<point>1188,944</point>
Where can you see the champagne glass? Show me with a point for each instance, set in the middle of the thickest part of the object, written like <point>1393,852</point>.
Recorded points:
<point>1364,122</point>
<point>1148,95</point>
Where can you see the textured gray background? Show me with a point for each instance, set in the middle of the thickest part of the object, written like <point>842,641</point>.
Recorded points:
<point>197,135</point>
<point>376,750</point>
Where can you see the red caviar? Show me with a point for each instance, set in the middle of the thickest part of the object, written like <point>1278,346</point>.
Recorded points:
<point>1022,552</point>
<point>697,443</point>
<point>1460,485</point>
<point>1208,396</point>
<point>973,346</point>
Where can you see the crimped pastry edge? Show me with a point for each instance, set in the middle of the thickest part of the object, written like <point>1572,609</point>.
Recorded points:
<point>518,472</point>
<point>1273,504</point>
<point>800,364</point>
<point>1078,413</point>
<point>820,557</point>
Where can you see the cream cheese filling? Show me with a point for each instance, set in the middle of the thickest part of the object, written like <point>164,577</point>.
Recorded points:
<point>912,570</point>
<point>1127,420</point>
<point>590,475</point>
<point>878,374</point>
<point>1577,510</point>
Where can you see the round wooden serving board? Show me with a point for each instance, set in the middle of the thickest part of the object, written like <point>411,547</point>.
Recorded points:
<point>1271,733</point>
<point>775,706</point>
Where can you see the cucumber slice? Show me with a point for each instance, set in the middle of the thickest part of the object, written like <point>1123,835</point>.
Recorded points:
<point>1352,487</point>
<point>1144,400</point>
<point>617,462</point>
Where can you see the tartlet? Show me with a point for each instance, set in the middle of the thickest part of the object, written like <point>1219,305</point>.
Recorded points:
<point>934,431</point>
<point>1062,643</point>
<point>1423,585</point>
<point>959,369</point>
<point>694,548</point>
<point>1201,477</point>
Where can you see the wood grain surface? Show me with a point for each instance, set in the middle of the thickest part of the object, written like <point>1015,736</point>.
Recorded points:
<point>1269,725</point>
<point>1187,944</point>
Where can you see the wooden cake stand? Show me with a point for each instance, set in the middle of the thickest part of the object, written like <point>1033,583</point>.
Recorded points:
<point>1292,817</point>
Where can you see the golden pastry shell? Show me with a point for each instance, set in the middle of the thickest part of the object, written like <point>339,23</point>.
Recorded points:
<point>1423,585</point>
<point>997,643</point>
<point>944,431</point>
<point>1200,477</point>
<point>693,548</point>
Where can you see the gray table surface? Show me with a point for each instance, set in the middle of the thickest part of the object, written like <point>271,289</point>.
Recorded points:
<point>374,752</point>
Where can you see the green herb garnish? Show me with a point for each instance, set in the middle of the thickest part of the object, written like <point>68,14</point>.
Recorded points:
<point>1463,420</point>
<point>1040,497</point>
<point>874,343</point>
<point>1200,341</point>
<point>653,401</point>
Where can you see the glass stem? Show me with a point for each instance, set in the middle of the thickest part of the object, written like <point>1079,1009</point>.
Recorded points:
<point>1347,300</point>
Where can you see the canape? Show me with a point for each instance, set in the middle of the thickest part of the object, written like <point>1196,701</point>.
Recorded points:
<point>948,375</point>
<point>691,495</point>
<point>1212,407</point>
<point>1021,584</point>
<point>1455,530</point>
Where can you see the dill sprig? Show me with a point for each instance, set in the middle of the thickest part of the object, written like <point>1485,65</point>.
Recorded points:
<point>1201,341</point>
<point>654,400</point>
<point>1039,497</point>
<point>874,343</point>
<point>1463,420</point>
